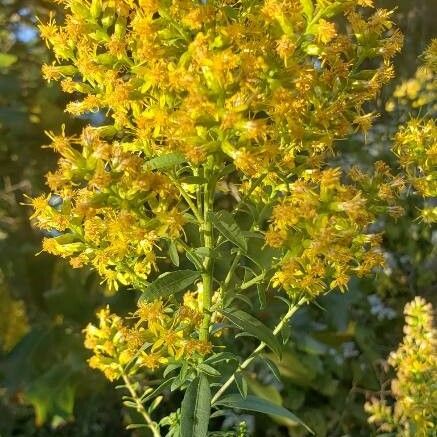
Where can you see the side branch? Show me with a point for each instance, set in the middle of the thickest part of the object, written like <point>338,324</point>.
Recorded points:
<point>140,407</point>
<point>279,327</point>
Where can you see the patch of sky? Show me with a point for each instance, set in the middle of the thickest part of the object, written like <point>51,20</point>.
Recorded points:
<point>25,33</point>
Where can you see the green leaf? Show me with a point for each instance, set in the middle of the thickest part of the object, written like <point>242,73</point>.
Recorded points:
<point>241,383</point>
<point>224,222</point>
<point>308,8</point>
<point>7,59</point>
<point>165,161</point>
<point>158,390</point>
<point>193,180</point>
<point>261,291</point>
<point>209,370</point>
<point>194,258</point>
<point>170,368</point>
<point>220,357</point>
<point>173,253</point>
<point>274,368</point>
<point>137,426</point>
<point>254,327</point>
<point>52,394</point>
<point>196,408</point>
<point>254,403</point>
<point>168,284</point>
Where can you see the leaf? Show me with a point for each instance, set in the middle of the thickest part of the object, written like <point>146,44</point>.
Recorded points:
<point>7,59</point>
<point>165,161</point>
<point>155,404</point>
<point>274,368</point>
<point>220,357</point>
<point>158,390</point>
<point>308,8</point>
<point>52,394</point>
<point>244,298</point>
<point>193,180</point>
<point>173,253</point>
<point>218,413</point>
<point>260,288</point>
<point>241,383</point>
<point>196,408</point>
<point>209,370</point>
<point>197,255</point>
<point>137,426</point>
<point>254,403</point>
<point>170,368</point>
<point>254,327</point>
<point>168,284</point>
<point>224,222</point>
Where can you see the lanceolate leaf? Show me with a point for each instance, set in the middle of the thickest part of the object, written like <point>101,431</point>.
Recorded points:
<point>254,403</point>
<point>274,368</point>
<point>169,283</point>
<point>226,225</point>
<point>196,408</point>
<point>308,8</point>
<point>241,383</point>
<point>165,161</point>
<point>173,253</point>
<point>158,390</point>
<point>220,357</point>
<point>254,327</point>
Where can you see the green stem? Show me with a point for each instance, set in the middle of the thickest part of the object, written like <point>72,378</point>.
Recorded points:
<point>253,281</point>
<point>208,241</point>
<point>279,327</point>
<point>230,274</point>
<point>188,199</point>
<point>153,426</point>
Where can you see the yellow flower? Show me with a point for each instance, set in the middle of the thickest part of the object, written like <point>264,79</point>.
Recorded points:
<point>326,31</point>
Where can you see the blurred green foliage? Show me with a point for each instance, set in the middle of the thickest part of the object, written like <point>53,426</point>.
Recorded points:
<point>335,359</point>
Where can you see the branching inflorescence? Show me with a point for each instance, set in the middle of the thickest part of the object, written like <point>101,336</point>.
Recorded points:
<point>220,121</point>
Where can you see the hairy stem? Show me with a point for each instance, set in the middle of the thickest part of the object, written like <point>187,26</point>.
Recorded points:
<point>279,327</point>
<point>153,426</point>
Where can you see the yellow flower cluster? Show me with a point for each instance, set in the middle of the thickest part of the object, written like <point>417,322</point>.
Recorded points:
<point>267,85</point>
<point>416,147</point>
<point>421,90</point>
<point>13,319</point>
<point>323,225</point>
<point>157,334</point>
<point>110,209</point>
<point>415,362</point>
<point>249,81</point>
<point>416,141</point>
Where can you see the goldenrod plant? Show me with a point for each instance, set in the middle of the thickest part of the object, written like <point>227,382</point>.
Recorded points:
<point>414,388</point>
<point>208,188</point>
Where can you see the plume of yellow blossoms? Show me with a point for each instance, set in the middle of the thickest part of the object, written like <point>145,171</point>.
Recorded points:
<point>416,141</point>
<point>266,86</point>
<point>419,92</point>
<point>414,388</point>
<point>157,334</point>
<point>110,210</point>
<point>323,225</point>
